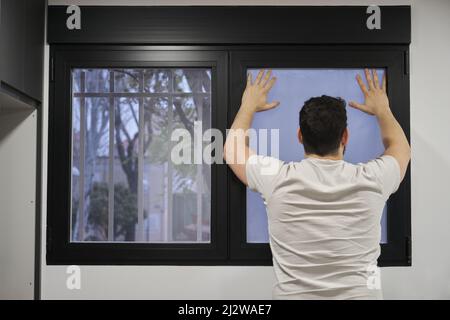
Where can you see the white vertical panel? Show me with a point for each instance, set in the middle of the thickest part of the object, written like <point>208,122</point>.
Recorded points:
<point>17,204</point>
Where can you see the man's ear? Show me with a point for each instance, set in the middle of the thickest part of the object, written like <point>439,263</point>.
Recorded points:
<point>299,135</point>
<point>345,137</point>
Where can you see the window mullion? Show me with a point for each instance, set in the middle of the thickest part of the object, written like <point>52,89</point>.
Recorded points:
<point>169,217</point>
<point>111,158</point>
<point>82,156</point>
<point>199,176</point>
<point>140,233</point>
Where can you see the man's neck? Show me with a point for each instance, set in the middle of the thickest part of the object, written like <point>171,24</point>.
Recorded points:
<point>338,156</point>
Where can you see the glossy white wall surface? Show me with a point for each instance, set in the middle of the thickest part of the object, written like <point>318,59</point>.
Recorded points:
<point>18,130</point>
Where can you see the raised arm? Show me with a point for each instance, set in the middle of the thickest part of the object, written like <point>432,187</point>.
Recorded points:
<point>377,103</point>
<point>254,99</point>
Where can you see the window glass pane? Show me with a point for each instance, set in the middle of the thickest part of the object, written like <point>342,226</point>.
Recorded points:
<point>191,182</point>
<point>76,169</point>
<point>157,80</point>
<point>97,80</point>
<point>156,169</point>
<point>126,80</point>
<point>121,155</point>
<point>192,80</point>
<point>293,88</point>
<point>90,169</point>
<point>125,175</point>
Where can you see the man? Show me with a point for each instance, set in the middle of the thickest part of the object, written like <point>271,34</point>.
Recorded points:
<point>324,213</point>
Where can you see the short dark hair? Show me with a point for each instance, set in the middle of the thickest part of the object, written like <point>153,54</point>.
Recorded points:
<point>322,122</point>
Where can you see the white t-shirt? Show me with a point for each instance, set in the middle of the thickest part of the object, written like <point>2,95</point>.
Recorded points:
<point>324,223</point>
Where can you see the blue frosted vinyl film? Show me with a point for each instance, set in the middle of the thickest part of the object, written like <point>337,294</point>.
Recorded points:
<point>293,88</point>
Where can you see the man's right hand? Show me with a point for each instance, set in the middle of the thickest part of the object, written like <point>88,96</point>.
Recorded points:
<point>377,103</point>
<point>376,99</point>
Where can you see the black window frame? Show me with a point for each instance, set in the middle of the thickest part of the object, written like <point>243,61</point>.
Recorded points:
<point>121,32</point>
<point>60,250</point>
<point>228,246</point>
<point>397,250</point>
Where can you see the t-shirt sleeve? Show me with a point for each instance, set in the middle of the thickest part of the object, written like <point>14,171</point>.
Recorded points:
<point>261,172</point>
<point>387,170</point>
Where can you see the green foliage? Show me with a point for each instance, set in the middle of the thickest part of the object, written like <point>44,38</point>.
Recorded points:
<point>125,212</point>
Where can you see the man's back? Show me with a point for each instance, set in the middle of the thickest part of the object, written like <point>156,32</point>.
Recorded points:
<point>324,223</point>
<point>324,214</point>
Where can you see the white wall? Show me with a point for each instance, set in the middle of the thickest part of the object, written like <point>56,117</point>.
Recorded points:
<point>429,277</point>
<point>430,133</point>
<point>17,202</point>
